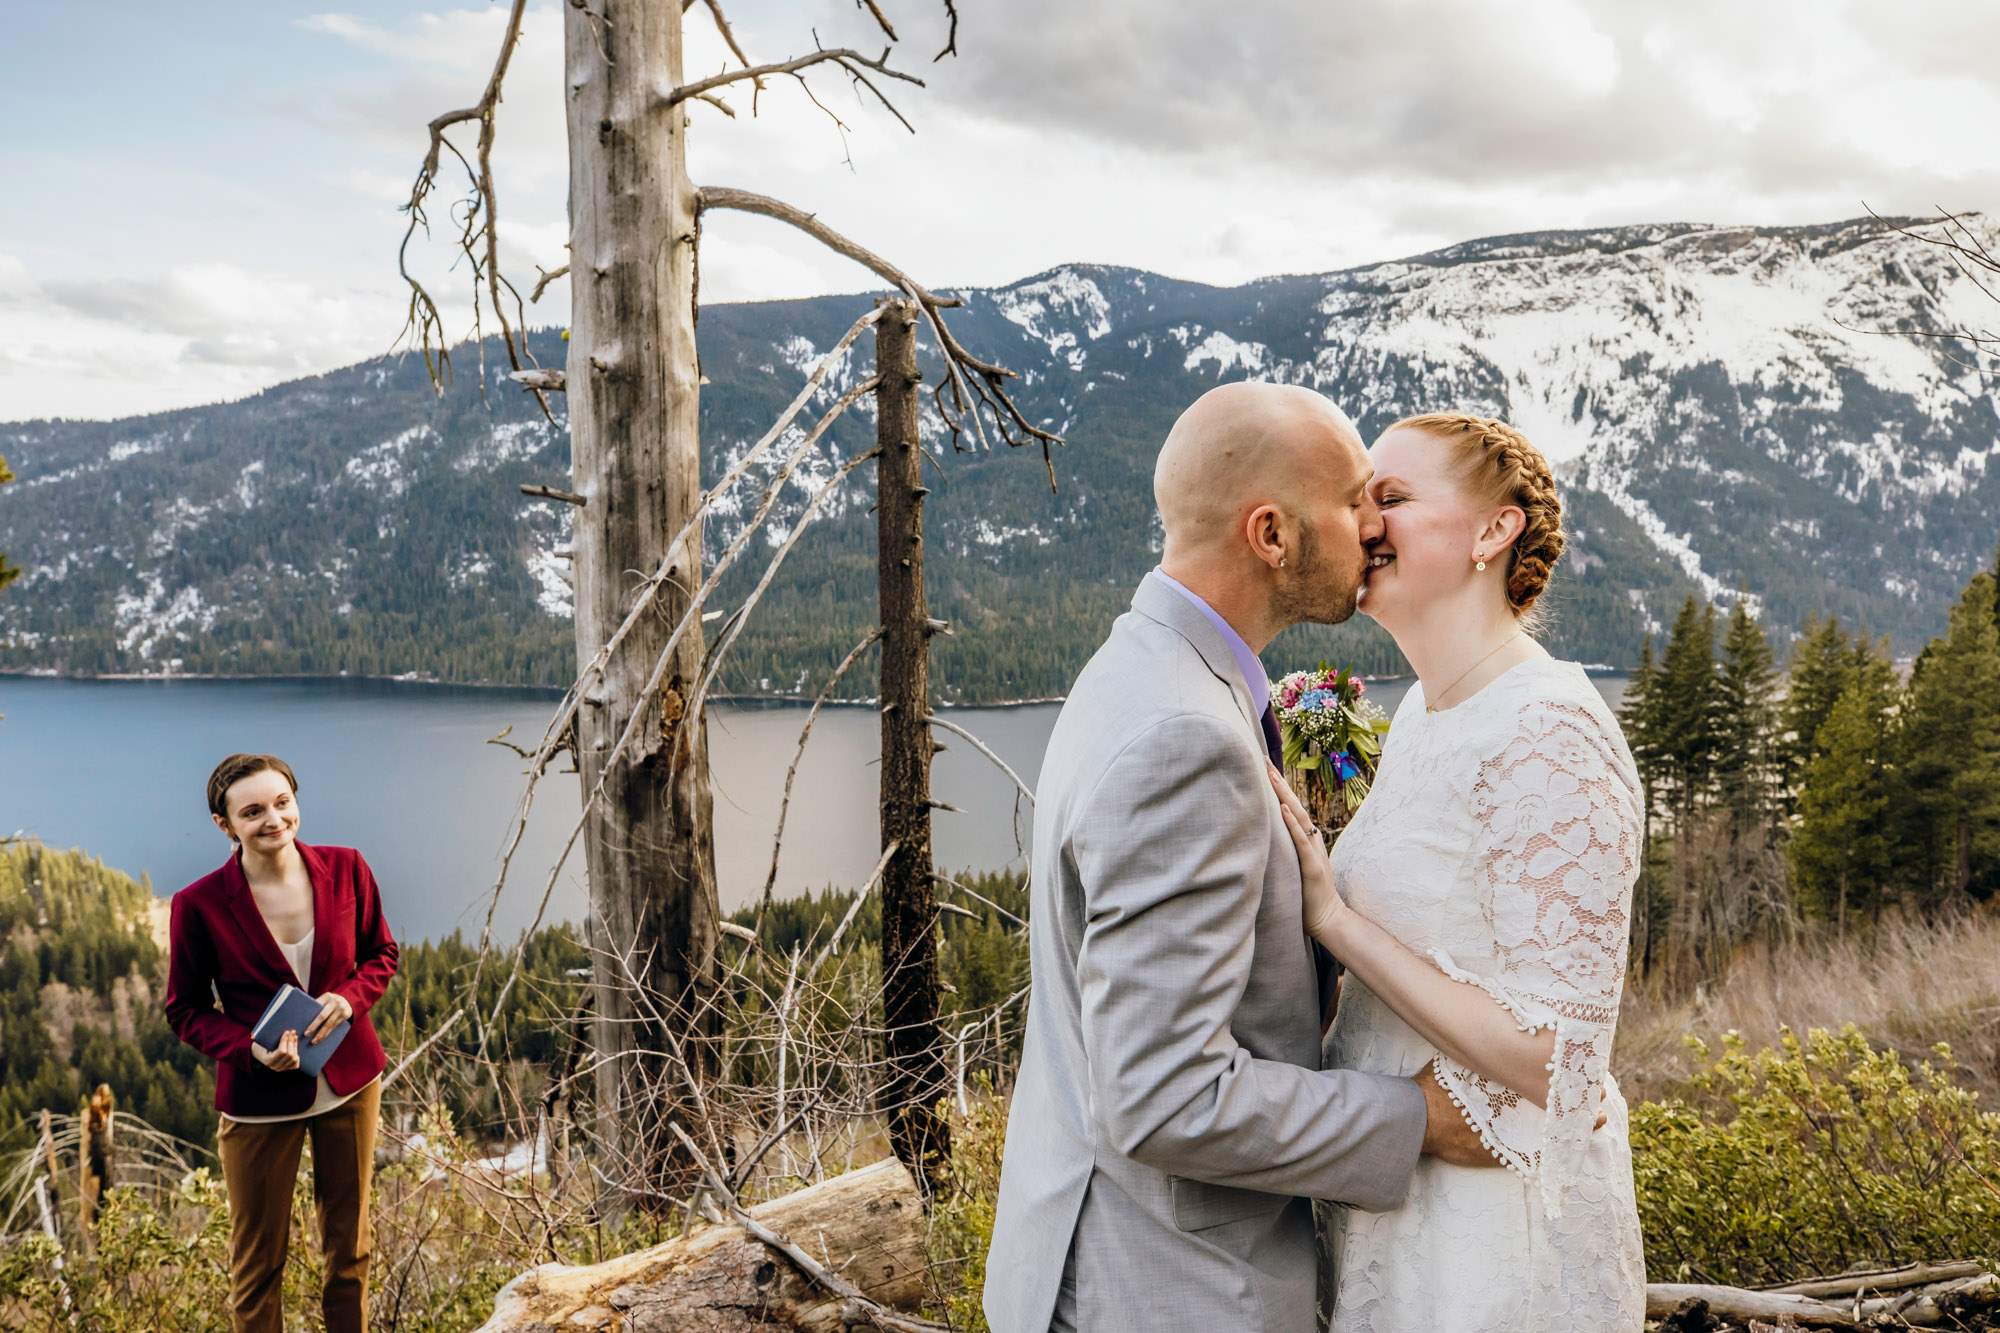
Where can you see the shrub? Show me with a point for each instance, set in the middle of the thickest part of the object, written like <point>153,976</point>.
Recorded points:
<point>962,1217</point>
<point>1811,1157</point>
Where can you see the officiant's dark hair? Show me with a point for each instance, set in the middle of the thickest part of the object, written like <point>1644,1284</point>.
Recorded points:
<point>1501,465</point>
<point>238,767</point>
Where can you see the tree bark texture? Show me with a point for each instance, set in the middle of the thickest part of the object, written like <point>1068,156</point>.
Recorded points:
<point>916,1071</point>
<point>867,1226</point>
<point>633,396</point>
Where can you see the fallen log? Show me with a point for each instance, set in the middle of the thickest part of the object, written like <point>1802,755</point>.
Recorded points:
<point>1939,1303</point>
<point>1900,1278</point>
<point>1911,1296</point>
<point>866,1226</point>
<point>1741,1306</point>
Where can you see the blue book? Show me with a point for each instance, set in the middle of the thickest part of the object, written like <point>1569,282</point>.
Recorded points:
<point>292,1010</point>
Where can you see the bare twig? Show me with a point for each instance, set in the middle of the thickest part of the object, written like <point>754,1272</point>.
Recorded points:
<point>423,1046</point>
<point>791,774</point>
<point>852,62</point>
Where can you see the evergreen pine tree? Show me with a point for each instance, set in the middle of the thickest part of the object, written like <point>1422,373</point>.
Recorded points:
<point>1638,714</point>
<point>1687,716</point>
<point>1822,666</point>
<point>1746,691</point>
<point>1951,754</point>
<point>1841,853</point>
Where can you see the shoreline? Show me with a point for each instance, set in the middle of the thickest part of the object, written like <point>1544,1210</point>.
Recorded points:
<point>432,682</point>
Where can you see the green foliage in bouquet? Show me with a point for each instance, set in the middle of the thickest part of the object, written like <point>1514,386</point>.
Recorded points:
<point>1330,730</point>
<point>1812,1157</point>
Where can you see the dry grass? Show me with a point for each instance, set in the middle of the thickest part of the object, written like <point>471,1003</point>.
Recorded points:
<point>1907,984</point>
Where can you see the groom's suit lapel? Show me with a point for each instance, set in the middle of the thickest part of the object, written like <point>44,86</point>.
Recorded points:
<point>1156,601</point>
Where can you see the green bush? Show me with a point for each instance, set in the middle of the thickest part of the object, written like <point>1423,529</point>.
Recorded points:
<point>961,1228</point>
<point>1812,1157</point>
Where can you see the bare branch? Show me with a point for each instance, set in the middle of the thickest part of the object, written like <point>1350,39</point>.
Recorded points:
<point>479,233</point>
<point>543,378</point>
<point>561,725</point>
<point>551,493</point>
<point>988,380</point>
<point>728,36</point>
<point>980,897</point>
<point>665,659</point>
<point>980,745</point>
<point>423,1046</point>
<point>550,275</point>
<point>951,38</point>
<point>881,19</point>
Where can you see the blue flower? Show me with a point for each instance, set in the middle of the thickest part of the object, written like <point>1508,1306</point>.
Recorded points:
<point>1315,701</point>
<point>1344,765</point>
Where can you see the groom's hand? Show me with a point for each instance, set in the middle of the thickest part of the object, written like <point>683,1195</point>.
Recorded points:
<point>1446,1135</point>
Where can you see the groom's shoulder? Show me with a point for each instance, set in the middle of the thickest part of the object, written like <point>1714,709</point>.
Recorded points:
<point>1146,674</point>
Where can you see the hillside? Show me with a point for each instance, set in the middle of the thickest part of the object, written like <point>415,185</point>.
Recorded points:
<point>82,966</point>
<point>1724,403</point>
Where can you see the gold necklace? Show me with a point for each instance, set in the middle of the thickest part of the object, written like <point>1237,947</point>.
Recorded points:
<point>1432,708</point>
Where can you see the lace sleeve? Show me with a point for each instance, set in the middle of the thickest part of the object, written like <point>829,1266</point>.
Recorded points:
<point>1555,861</point>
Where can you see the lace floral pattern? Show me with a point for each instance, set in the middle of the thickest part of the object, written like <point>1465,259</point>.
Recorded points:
<point>1509,842</point>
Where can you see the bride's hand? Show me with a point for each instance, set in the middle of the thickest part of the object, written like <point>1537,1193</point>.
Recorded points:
<point>1323,904</point>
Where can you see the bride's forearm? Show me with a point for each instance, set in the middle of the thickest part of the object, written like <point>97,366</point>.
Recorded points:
<point>1462,1021</point>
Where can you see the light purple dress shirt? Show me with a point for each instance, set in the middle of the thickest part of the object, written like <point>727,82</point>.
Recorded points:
<point>1246,661</point>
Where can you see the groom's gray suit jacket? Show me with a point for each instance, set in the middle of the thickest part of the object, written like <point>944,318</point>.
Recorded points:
<point>1171,1117</point>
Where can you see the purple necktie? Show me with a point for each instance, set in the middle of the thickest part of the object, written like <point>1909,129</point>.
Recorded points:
<point>1273,742</point>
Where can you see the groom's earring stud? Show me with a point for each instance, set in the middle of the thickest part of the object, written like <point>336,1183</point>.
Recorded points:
<point>1281,563</point>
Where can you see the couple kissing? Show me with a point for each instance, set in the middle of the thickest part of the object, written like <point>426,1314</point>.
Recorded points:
<point>1230,1030</point>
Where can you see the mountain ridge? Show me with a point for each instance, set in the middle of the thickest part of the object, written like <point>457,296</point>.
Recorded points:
<point>1721,420</point>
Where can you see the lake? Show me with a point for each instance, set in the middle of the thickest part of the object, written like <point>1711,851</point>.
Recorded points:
<point>402,771</point>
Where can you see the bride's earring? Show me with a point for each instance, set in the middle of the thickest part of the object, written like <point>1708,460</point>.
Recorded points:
<point>1478,560</point>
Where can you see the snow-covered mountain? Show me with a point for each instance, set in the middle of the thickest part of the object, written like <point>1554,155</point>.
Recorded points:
<point>1736,410</point>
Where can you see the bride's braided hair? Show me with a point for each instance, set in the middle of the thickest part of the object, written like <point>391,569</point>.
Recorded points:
<point>1503,467</point>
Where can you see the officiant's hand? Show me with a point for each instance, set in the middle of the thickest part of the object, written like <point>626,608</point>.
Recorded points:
<point>333,1011</point>
<point>285,1057</point>
<point>1324,906</point>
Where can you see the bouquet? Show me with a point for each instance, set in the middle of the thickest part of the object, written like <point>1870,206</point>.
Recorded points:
<point>1333,741</point>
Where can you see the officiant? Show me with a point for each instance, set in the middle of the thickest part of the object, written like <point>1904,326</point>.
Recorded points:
<point>279,912</point>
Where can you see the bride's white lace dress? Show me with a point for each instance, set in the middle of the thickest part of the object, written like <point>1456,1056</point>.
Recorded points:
<point>1501,841</point>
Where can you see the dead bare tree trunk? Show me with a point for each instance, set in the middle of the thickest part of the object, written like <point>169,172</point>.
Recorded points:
<point>633,394</point>
<point>916,1071</point>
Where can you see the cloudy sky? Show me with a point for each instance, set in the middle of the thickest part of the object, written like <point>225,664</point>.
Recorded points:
<point>197,201</point>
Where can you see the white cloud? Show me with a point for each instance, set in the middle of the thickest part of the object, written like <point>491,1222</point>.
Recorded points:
<point>1215,142</point>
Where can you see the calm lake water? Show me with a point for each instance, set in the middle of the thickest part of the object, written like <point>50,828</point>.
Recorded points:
<point>402,771</point>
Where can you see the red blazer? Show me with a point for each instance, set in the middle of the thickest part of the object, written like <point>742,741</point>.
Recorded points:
<point>219,941</point>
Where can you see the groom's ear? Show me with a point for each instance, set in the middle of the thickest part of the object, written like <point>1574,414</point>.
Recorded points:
<point>1264,528</point>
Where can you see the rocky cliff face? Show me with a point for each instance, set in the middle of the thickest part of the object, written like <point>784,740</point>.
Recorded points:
<point>1736,411</point>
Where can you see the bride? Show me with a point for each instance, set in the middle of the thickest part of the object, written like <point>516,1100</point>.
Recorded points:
<point>1481,902</point>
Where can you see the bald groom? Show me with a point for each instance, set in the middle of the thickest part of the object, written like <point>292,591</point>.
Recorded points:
<point>1171,1120</point>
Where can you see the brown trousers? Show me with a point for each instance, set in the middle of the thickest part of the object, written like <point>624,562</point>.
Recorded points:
<point>260,1164</point>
